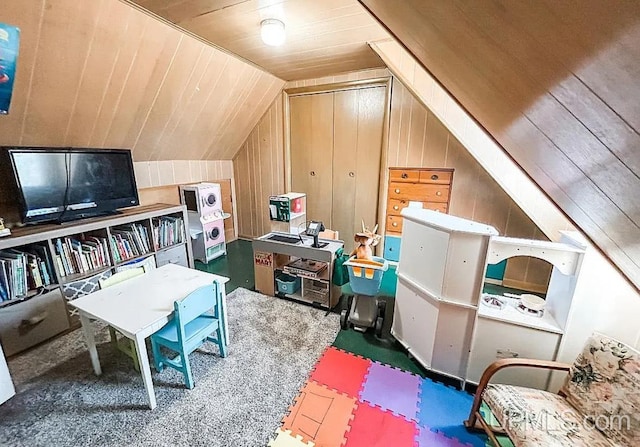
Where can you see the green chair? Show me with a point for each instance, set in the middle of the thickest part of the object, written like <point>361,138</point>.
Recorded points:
<point>196,319</point>
<point>123,344</point>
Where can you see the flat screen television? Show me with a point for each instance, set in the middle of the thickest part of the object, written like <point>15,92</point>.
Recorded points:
<point>61,184</point>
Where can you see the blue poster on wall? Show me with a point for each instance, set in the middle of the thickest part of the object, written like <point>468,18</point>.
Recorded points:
<point>9,44</point>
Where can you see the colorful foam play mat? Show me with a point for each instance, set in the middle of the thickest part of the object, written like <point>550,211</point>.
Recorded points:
<point>353,401</point>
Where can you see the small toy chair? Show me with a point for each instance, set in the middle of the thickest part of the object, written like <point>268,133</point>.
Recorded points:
<point>191,326</point>
<point>123,344</point>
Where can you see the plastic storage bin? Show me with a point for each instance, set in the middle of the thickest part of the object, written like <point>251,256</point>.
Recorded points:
<point>288,284</point>
<point>365,276</point>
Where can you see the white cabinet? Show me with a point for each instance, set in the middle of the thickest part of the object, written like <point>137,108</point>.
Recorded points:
<point>439,317</point>
<point>499,339</point>
<point>440,276</point>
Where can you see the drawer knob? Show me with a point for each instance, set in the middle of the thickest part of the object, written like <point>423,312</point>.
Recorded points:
<point>313,173</point>
<point>438,193</point>
<point>404,175</point>
<point>352,174</point>
<point>396,207</point>
<point>395,224</point>
<point>397,191</point>
<point>434,177</point>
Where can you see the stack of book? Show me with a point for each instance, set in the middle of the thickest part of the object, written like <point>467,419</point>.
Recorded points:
<point>129,241</point>
<point>24,269</point>
<point>167,231</point>
<point>81,255</point>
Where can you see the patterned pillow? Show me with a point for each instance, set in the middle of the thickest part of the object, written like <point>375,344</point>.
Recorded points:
<point>604,385</point>
<point>82,287</point>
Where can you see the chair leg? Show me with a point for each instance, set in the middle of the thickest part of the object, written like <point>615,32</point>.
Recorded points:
<point>134,355</point>
<point>114,337</point>
<point>220,342</point>
<point>157,357</point>
<point>186,370</point>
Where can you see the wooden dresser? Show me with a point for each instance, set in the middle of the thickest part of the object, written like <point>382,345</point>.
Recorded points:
<point>429,186</point>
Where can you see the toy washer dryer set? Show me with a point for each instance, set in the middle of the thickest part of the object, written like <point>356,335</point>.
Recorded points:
<point>206,220</point>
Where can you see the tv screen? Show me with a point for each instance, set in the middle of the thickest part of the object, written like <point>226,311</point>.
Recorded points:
<point>66,184</point>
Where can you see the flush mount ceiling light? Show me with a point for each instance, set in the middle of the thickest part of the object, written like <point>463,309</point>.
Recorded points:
<point>272,32</point>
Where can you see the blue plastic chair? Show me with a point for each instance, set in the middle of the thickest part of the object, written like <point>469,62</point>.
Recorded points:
<point>196,318</point>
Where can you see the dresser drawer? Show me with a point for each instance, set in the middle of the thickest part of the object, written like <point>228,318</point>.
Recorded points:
<point>394,224</point>
<point>419,191</point>
<point>28,323</point>
<point>404,175</point>
<point>392,248</point>
<point>395,206</point>
<point>436,177</point>
<point>443,207</point>
<point>173,255</point>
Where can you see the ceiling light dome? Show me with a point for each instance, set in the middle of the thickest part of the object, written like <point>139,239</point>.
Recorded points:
<point>272,32</point>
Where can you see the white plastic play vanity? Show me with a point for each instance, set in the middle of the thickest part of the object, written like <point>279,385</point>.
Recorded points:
<point>439,315</point>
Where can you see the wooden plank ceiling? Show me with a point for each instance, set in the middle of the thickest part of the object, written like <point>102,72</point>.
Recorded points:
<point>324,37</point>
<point>557,86</point>
<point>104,74</point>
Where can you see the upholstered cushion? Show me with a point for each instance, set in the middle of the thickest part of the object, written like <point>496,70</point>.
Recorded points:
<point>538,418</point>
<point>604,385</point>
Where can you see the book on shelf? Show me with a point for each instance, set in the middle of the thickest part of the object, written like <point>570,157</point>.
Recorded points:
<point>167,231</point>
<point>80,254</point>
<point>129,241</point>
<point>24,269</point>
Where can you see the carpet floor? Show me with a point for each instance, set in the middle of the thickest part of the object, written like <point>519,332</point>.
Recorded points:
<point>237,401</point>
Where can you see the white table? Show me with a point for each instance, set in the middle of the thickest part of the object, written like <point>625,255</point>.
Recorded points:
<point>140,306</point>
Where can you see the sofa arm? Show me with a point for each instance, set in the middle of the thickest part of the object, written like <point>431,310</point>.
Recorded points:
<point>506,363</point>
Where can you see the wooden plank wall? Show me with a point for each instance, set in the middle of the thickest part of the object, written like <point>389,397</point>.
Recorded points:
<point>417,138</point>
<point>101,73</point>
<point>259,172</point>
<point>557,87</point>
<point>170,194</point>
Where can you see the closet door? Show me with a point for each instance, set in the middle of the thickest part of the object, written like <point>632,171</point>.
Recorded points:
<point>358,123</point>
<point>312,152</point>
<point>336,145</point>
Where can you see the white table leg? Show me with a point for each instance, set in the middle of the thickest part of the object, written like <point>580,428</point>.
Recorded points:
<point>145,369</point>
<point>87,330</point>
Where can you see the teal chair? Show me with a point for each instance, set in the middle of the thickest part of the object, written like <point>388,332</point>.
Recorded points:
<point>196,319</point>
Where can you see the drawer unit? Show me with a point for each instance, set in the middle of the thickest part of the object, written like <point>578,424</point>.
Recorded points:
<point>429,186</point>
<point>392,248</point>
<point>394,224</point>
<point>422,192</point>
<point>395,206</point>
<point>32,321</point>
<point>173,255</point>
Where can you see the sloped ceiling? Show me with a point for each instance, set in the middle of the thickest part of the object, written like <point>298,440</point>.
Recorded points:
<point>557,86</point>
<point>101,73</point>
<point>324,37</point>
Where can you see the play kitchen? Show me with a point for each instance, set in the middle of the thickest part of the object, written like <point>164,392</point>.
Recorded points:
<point>293,261</point>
